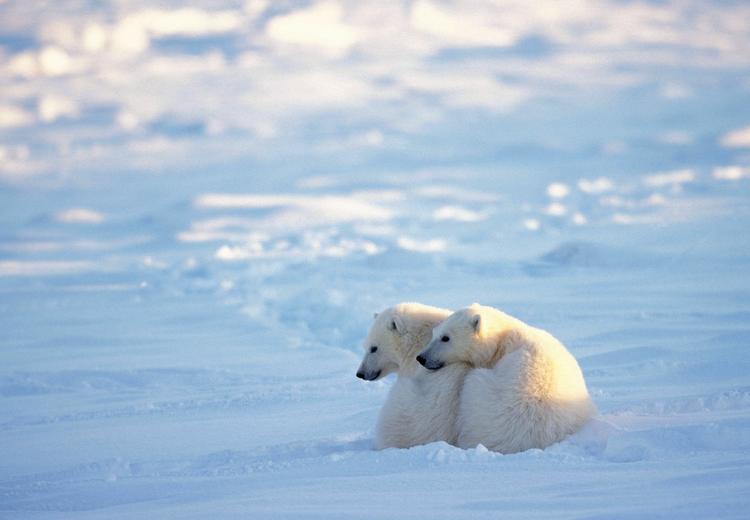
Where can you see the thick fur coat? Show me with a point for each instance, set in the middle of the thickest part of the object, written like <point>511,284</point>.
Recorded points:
<point>422,405</point>
<point>525,389</point>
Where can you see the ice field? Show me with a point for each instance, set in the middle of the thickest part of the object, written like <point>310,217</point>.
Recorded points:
<point>201,208</point>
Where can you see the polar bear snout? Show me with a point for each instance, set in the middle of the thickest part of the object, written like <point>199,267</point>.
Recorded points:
<point>379,360</point>
<point>367,375</point>
<point>433,356</point>
<point>370,369</point>
<point>429,362</point>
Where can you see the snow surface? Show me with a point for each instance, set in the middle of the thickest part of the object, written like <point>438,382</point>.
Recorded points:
<point>197,228</point>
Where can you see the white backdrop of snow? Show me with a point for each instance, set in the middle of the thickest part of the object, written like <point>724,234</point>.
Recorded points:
<point>197,228</point>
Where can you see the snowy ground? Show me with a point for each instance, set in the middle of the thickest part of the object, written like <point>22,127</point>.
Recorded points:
<point>182,302</point>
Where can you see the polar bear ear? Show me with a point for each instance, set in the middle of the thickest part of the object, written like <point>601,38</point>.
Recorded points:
<point>397,324</point>
<point>476,322</point>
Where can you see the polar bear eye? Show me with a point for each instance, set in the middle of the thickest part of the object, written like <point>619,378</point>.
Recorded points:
<point>445,339</point>
<point>373,349</point>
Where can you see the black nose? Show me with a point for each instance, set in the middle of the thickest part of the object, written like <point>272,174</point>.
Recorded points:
<point>421,360</point>
<point>361,375</point>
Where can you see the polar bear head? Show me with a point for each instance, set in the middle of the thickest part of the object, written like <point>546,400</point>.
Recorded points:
<point>472,335</point>
<point>396,337</point>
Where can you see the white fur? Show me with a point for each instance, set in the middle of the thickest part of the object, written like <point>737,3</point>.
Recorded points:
<point>527,390</point>
<point>422,406</point>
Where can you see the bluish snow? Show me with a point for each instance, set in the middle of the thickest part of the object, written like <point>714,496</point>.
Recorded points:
<point>182,301</point>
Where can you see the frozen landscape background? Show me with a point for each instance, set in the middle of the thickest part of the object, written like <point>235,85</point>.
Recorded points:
<point>203,203</point>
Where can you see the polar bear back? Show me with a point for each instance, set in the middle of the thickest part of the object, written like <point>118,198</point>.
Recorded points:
<point>534,396</point>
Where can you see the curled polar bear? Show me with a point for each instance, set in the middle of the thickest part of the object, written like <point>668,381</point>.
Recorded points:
<point>422,405</point>
<point>525,391</point>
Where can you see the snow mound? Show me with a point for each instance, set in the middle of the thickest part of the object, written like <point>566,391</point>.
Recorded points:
<point>581,255</point>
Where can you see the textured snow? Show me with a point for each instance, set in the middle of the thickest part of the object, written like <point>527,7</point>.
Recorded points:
<point>203,205</point>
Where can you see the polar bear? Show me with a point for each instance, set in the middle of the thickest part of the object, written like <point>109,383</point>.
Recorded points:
<point>422,405</point>
<point>525,390</point>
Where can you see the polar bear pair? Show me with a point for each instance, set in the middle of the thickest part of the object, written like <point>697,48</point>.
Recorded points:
<point>486,378</point>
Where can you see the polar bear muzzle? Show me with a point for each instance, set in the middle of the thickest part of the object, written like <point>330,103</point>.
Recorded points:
<point>371,367</point>
<point>428,362</point>
<point>368,376</point>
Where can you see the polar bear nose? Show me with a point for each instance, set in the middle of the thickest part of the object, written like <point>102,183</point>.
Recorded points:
<point>361,374</point>
<point>429,364</point>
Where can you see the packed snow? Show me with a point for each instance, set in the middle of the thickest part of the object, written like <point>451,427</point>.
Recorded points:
<point>202,207</point>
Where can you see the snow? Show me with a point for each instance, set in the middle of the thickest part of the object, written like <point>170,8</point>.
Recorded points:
<point>673,178</point>
<point>52,108</point>
<point>11,116</point>
<point>558,190</point>
<point>201,211</point>
<point>319,25</point>
<point>738,138</point>
<point>599,185</point>
<point>80,215</point>
<point>731,173</point>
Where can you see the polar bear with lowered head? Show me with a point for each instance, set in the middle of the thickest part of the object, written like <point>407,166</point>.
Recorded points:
<point>526,391</point>
<point>422,405</point>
